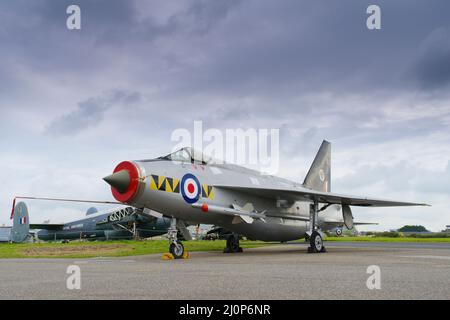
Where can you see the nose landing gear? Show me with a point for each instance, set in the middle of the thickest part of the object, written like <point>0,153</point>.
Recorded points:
<point>176,248</point>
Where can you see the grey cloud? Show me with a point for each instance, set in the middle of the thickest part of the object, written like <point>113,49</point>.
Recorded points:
<point>197,17</point>
<point>401,176</point>
<point>103,20</point>
<point>202,15</point>
<point>432,67</point>
<point>300,46</point>
<point>90,112</point>
<point>228,47</point>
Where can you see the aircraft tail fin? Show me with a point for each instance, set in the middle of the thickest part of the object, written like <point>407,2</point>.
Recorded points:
<point>21,224</point>
<point>319,175</point>
<point>91,210</point>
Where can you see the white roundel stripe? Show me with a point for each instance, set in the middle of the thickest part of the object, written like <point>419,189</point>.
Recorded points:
<point>190,188</point>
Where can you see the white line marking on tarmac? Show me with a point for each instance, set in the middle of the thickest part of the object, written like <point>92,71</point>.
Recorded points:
<point>101,260</point>
<point>428,257</point>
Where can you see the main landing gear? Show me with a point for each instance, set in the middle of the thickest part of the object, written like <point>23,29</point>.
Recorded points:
<point>316,243</point>
<point>176,248</point>
<point>232,244</point>
<point>315,237</point>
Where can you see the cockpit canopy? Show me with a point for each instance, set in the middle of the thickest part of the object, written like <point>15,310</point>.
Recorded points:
<point>187,154</point>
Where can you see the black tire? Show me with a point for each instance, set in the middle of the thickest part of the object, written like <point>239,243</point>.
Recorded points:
<point>229,246</point>
<point>232,244</point>
<point>235,247</point>
<point>316,242</point>
<point>177,250</point>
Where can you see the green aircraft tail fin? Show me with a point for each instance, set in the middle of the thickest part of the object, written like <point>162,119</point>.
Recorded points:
<point>319,175</point>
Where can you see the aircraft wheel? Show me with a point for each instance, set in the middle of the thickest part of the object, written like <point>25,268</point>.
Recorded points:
<point>177,250</point>
<point>235,247</point>
<point>316,243</point>
<point>232,244</point>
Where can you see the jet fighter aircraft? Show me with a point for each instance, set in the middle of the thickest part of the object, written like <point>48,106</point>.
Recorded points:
<point>188,187</point>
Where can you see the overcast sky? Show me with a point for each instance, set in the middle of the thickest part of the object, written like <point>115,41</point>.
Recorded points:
<point>74,103</point>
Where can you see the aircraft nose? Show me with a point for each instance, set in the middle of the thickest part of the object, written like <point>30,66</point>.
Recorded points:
<point>119,180</point>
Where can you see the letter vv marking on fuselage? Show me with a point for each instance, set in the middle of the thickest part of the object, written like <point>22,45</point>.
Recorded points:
<point>168,184</point>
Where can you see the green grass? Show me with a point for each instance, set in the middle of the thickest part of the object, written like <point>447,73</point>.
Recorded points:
<point>107,248</point>
<point>387,239</point>
<point>133,248</point>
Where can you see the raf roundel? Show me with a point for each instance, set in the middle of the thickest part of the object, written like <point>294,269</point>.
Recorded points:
<point>190,188</point>
<point>321,175</point>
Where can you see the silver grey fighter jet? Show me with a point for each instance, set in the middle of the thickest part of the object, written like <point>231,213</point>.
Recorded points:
<point>191,189</point>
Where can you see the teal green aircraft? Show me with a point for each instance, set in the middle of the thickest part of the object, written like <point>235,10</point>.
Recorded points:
<point>119,223</point>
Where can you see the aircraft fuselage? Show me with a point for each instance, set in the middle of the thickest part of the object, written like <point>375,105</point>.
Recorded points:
<point>172,187</point>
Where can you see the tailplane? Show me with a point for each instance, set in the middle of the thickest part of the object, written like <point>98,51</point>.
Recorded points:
<point>319,175</point>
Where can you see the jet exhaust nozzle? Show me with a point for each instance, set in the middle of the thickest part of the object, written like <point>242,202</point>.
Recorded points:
<point>119,180</point>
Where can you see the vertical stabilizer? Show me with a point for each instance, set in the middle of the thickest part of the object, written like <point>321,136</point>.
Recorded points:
<point>319,175</point>
<point>21,225</point>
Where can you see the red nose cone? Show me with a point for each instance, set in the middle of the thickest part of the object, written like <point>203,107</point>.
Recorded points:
<point>128,194</point>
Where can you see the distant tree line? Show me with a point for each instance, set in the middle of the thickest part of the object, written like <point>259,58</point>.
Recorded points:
<point>408,228</point>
